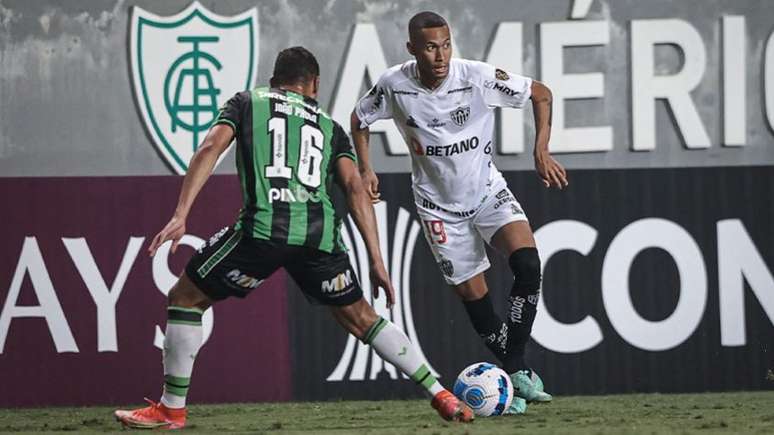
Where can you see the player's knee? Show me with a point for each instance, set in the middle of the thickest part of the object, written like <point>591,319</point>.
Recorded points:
<point>525,264</point>
<point>175,297</point>
<point>185,294</point>
<point>357,318</point>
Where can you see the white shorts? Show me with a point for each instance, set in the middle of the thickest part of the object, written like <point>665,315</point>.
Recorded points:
<point>457,239</point>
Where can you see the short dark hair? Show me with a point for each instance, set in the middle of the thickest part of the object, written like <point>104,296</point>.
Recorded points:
<point>294,65</point>
<point>425,20</point>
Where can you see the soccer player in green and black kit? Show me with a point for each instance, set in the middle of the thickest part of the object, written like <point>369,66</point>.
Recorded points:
<point>288,154</point>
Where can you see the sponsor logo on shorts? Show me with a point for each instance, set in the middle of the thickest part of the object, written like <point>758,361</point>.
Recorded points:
<point>435,123</point>
<point>245,281</point>
<point>462,146</point>
<point>299,194</point>
<point>213,239</point>
<point>517,307</point>
<point>338,283</point>
<point>491,84</point>
<point>533,299</point>
<point>506,200</point>
<point>515,209</point>
<point>431,206</point>
<point>501,75</point>
<point>502,194</point>
<point>446,267</point>
<point>460,115</point>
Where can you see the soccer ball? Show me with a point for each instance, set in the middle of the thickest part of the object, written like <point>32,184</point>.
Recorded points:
<point>486,388</point>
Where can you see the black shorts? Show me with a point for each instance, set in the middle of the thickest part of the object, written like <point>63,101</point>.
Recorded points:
<point>233,264</point>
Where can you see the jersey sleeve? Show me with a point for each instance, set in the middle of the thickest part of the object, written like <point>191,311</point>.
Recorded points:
<point>503,89</point>
<point>374,105</point>
<point>229,113</point>
<point>341,145</point>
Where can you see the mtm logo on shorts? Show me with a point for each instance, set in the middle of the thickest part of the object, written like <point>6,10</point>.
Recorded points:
<point>338,285</point>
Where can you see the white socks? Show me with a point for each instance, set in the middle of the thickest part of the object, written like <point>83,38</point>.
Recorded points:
<point>181,344</point>
<point>393,346</point>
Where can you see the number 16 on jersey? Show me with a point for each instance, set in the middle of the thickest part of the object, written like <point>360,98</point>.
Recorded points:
<point>309,157</point>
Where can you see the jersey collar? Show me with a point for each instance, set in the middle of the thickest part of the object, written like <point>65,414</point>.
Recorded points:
<point>444,84</point>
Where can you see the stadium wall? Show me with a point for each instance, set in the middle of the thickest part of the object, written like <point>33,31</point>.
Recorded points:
<point>658,258</point>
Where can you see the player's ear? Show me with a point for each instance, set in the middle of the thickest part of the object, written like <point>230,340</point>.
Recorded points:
<point>410,48</point>
<point>316,85</point>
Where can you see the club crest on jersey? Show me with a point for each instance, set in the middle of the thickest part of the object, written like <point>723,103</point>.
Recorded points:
<point>501,75</point>
<point>183,67</point>
<point>460,115</point>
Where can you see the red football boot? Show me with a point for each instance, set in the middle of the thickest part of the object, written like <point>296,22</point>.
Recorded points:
<point>452,408</point>
<point>155,416</point>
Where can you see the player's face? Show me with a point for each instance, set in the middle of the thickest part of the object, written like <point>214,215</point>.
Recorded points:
<point>432,49</point>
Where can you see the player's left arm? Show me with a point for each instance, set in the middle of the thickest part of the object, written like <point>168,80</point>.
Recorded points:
<point>199,170</point>
<point>359,201</point>
<point>550,171</point>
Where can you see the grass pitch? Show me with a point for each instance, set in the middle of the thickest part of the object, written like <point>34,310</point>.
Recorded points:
<point>711,413</point>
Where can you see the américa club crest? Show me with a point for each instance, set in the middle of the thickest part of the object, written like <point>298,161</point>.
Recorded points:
<point>184,67</point>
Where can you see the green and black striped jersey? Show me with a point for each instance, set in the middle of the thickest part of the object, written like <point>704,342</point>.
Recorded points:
<point>286,152</point>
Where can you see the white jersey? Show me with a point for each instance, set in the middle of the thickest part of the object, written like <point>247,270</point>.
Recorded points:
<point>449,129</point>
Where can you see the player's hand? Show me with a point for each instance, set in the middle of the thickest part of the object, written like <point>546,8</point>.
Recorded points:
<point>371,182</point>
<point>174,230</point>
<point>550,171</point>
<point>379,278</point>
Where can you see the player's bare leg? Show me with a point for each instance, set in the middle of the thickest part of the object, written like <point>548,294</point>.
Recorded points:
<point>391,344</point>
<point>516,241</point>
<point>183,338</point>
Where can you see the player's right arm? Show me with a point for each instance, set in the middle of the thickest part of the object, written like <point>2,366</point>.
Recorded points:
<point>199,169</point>
<point>370,108</point>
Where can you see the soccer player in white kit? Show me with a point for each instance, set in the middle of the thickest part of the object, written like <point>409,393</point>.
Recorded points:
<point>444,109</point>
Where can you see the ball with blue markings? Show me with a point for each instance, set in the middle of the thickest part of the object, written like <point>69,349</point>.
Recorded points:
<point>486,388</point>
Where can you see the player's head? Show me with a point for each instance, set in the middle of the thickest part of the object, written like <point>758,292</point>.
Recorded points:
<point>430,43</point>
<point>296,67</point>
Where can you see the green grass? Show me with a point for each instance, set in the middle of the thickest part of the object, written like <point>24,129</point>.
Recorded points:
<point>751,412</point>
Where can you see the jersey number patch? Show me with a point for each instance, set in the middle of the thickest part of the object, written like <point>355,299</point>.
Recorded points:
<point>435,231</point>
<point>310,155</point>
